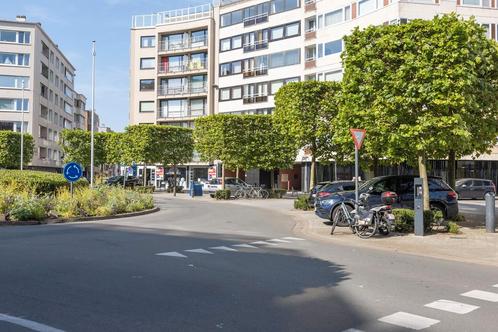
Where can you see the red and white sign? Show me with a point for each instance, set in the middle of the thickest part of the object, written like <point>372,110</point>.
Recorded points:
<point>358,137</point>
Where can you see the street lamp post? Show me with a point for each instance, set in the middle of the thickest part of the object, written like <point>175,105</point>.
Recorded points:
<point>22,124</point>
<point>92,117</point>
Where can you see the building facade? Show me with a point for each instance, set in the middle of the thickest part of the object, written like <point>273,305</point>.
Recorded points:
<point>79,113</point>
<point>45,105</point>
<point>260,45</point>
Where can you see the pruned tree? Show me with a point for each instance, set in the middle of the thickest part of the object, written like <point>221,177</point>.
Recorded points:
<point>10,149</point>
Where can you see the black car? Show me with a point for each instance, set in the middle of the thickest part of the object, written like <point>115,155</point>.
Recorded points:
<point>474,188</point>
<point>118,180</point>
<point>441,196</point>
<point>323,189</point>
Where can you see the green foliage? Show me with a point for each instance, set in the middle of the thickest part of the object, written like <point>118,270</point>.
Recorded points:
<point>243,141</point>
<point>25,208</point>
<point>222,194</point>
<point>453,228</point>
<point>75,144</point>
<point>10,149</point>
<point>277,193</point>
<point>177,145</point>
<point>144,189</point>
<point>141,144</point>
<point>405,219</point>
<point>40,182</point>
<point>302,203</point>
<point>170,189</point>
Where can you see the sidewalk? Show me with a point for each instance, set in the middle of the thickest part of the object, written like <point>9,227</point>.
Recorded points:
<point>472,245</point>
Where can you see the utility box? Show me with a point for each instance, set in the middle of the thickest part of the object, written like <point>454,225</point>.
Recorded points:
<point>418,205</point>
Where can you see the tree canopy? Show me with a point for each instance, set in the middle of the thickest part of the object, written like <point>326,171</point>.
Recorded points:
<point>10,149</point>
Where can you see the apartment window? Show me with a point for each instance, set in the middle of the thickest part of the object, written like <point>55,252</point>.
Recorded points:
<point>347,13</point>
<point>286,58</point>
<point>147,41</point>
<point>197,107</point>
<point>334,17</point>
<point>51,76</point>
<point>13,82</point>
<point>68,92</point>
<point>56,98</point>
<point>56,81</point>
<point>13,105</point>
<point>147,85</point>
<point>333,47</point>
<point>43,112</point>
<point>52,56</point>
<point>62,68</point>
<point>292,30</point>
<point>231,18</point>
<point>20,37</point>
<point>43,90</point>
<point>198,38</point>
<point>68,108</point>
<point>45,50</point>
<point>146,106</point>
<point>51,95</point>
<point>275,85</point>
<point>333,75</point>
<point>173,108</point>
<point>147,63</point>
<point>61,102</point>
<point>277,33</point>
<point>472,2</point>
<point>44,70</point>
<point>231,68</point>
<point>57,61</point>
<point>15,59</point>
<point>225,44</point>
<point>69,76</point>
<point>366,6</point>
<point>278,6</point>
<point>225,94</point>
<point>61,84</point>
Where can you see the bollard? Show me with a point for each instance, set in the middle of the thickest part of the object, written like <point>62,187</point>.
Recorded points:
<point>490,213</point>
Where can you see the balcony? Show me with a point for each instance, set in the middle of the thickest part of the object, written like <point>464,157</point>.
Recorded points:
<point>309,5</point>
<point>251,72</point>
<point>195,66</point>
<point>258,45</point>
<point>181,91</point>
<point>256,98</point>
<point>187,45</point>
<point>310,34</point>
<point>256,19</point>
<point>186,112</point>
<point>310,63</point>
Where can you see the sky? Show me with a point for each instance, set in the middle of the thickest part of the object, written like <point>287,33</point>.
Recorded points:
<point>73,24</point>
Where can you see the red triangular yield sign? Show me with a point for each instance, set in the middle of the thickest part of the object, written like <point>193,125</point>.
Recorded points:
<point>358,137</point>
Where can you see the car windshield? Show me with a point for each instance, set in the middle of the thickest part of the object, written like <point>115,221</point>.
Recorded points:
<point>367,184</point>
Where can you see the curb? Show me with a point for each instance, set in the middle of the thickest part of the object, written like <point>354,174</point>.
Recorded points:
<point>62,221</point>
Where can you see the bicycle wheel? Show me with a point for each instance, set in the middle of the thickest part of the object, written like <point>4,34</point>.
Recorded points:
<point>367,230</point>
<point>339,217</point>
<point>239,194</point>
<point>264,194</point>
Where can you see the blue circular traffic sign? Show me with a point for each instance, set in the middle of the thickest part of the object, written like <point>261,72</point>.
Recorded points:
<point>73,171</point>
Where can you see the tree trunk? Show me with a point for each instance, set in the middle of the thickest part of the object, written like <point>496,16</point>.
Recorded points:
<point>312,172</point>
<point>451,168</point>
<point>174,180</point>
<point>223,176</point>
<point>237,173</point>
<point>145,174</point>
<point>422,171</point>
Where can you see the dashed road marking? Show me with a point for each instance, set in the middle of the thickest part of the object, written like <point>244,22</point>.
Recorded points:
<point>171,254</point>
<point>352,330</point>
<point>29,324</point>
<point>482,295</point>
<point>495,285</point>
<point>410,321</point>
<point>199,251</point>
<point>278,240</point>
<point>293,238</point>
<point>452,306</point>
<point>223,248</point>
<point>264,242</point>
<point>244,245</point>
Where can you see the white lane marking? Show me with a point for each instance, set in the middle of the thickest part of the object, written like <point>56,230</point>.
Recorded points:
<point>293,238</point>
<point>452,306</point>
<point>243,245</point>
<point>264,242</point>
<point>482,295</point>
<point>495,285</point>
<point>199,251</point>
<point>171,254</point>
<point>278,240</point>
<point>223,248</point>
<point>409,321</point>
<point>352,330</point>
<point>29,324</point>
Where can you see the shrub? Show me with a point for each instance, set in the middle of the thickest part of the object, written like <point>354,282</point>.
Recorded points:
<point>28,208</point>
<point>277,193</point>
<point>302,203</point>
<point>453,228</point>
<point>40,182</point>
<point>148,189</point>
<point>458,218</point>
<point>405,219</point>
<point>222,194</point>
<point>64,205</point>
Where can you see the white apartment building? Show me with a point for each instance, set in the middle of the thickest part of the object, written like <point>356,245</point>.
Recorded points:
<point>260,45</point>
<point>79,113</point>
<point>28,54</point>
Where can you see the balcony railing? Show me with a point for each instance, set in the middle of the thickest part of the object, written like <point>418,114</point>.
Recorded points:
<point>258,45</point>
<point>183,90</point>
<point>194,43</point>
<point>256,98</point>
<point>260,18</point>
<point>172,16</point>
<point>310,34</point>
<point>309,5</point>
<point>166,68</point>
<point>256,71</point>
<point>185,112</point>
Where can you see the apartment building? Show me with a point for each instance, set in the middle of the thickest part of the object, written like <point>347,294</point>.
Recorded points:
<point>28,54</point>
<point>260,45</point>
<point>79,113</point>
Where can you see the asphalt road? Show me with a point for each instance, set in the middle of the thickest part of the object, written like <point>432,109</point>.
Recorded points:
<point>214,275</point>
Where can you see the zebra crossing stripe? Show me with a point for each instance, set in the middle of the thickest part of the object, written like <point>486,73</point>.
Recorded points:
<point>171,254</point>
<point>264,242</point>
<point>410,321</point>
<point>482,295</point>
<point>223,248</point>
<point>293,238</point>
<point>244,245</point>
<point>452,306</point>
<point>199,251</point>
<point>278,240</point>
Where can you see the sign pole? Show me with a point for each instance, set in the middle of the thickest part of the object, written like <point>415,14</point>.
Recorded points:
<point>71,184</point>
<point>356,162</point>
<point>358,137</point>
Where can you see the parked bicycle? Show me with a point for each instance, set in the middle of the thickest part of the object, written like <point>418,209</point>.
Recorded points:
<point>248,191</point>
<point>367,222</point>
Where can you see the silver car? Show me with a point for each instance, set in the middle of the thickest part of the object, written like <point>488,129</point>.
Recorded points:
<point>232,184</point>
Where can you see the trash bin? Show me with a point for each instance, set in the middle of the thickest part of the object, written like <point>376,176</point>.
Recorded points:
<point>195,189</point>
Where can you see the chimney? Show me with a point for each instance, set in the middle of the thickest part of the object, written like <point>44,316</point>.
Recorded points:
<point>21,18</point>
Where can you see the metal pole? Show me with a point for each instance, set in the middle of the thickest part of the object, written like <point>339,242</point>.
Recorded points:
<point>356,173</point>
<point>490,213</point>
<point>22,124</point>
<point>71,184</point>
<point>92,117</point>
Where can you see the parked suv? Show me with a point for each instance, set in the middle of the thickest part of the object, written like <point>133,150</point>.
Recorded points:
<point>323,189</point>
<point>474,188</point>
<point>441,196</point>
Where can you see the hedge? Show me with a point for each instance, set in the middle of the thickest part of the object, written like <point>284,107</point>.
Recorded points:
<point>223,194</point>
<point>302,203</point>
<point>40,182</point>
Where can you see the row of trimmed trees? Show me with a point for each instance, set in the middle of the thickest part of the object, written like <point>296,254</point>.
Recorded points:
<point>423,90</point>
